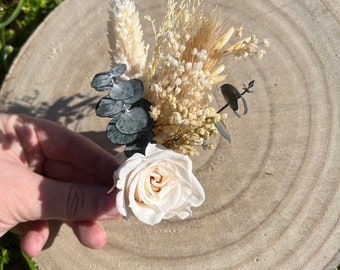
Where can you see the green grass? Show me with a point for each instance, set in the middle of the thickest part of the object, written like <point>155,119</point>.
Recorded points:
<point>18,19</point>
<point>11,257</point>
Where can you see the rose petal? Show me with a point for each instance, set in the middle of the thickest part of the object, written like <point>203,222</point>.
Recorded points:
<point>120,204</point>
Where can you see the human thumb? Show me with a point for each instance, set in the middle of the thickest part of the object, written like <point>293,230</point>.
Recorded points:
<point>74,201</point>
<point>30,196</point>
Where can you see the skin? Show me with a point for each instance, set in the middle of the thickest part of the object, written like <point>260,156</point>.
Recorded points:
<point>50,173</point>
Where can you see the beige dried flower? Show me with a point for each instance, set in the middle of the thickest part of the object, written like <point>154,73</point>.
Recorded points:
<point>126,38</point>
<point>185,65</point>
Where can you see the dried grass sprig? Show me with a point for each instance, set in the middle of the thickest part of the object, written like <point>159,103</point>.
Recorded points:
<point>126,38</point>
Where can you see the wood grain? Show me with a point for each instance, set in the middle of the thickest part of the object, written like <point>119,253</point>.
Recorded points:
<point>272,195</point>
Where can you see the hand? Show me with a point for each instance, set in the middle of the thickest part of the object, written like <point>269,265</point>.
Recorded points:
<point>48,172</point>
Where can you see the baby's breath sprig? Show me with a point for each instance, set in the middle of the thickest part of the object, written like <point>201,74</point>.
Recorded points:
<point>187,61</point>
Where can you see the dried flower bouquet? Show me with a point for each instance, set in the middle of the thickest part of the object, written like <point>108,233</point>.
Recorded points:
<point>161,101</point>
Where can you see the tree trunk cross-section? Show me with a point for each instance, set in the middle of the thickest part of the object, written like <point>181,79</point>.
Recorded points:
<point>272,195</point>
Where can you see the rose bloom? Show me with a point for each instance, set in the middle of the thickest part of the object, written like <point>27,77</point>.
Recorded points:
<point>159,185</point>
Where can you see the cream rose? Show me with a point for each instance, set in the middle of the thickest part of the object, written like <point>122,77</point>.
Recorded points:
<point>159,185</point>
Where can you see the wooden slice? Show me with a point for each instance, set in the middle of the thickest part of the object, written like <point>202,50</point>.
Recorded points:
<point>272,195</point>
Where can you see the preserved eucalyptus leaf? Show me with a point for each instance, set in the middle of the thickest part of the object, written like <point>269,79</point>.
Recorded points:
<point>221,130</point>
<point>251,84</point>
<point>204,145</point>
<point>105,80</point>
<point>122,91</point>
<point>133,121</point>
<point>146,105</point>
<point>245,106</point>
<point>139,145</point>
<point>145,138</point>
<point>134,148</point>
<point>117,71</point>
<point>230,94</point>
<point>115,118</point>
<point>102,81</point>
<point>107,107</point>
<point>143,103</point>
<point>237,114</point>
<point>116,137</point>
<point>150,125</point>
<point>138,88</point>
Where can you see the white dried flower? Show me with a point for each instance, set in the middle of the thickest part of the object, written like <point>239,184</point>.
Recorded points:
<point>126,38</point>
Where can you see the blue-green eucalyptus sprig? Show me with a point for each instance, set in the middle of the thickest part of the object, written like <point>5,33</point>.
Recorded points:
<point>131,124</point>
<point>231,96</point>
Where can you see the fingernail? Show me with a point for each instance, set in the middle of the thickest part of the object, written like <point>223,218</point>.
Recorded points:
<point>108,207</point>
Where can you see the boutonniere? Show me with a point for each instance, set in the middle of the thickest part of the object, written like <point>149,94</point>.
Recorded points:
<point>159,102</point>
